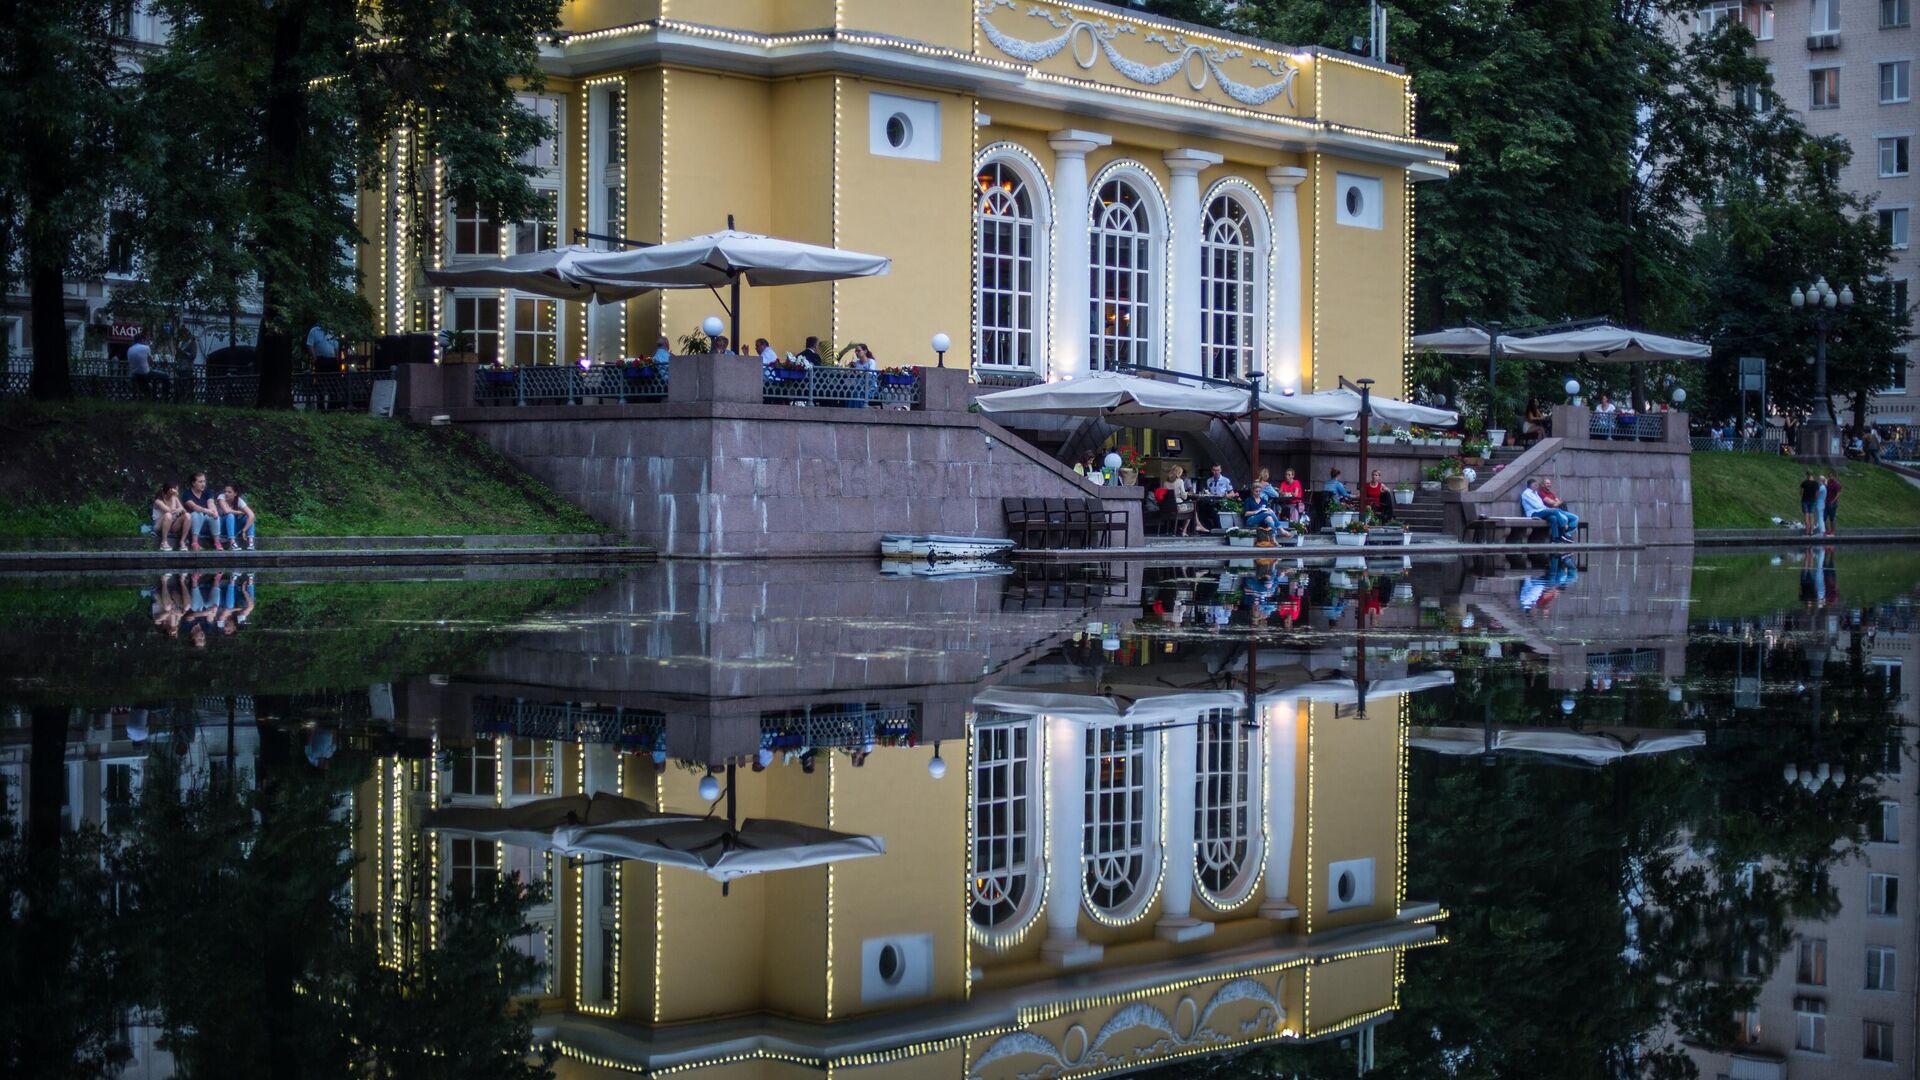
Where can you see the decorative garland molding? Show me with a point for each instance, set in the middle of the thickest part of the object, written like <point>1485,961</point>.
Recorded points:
<point>1189,1029</point>
<point>1086,39</point>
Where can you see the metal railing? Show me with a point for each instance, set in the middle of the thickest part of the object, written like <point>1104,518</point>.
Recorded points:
<point>850,387</point>
<point>567,385</point>
<point>1002,378</point>
<point>567,721</point>
<point>1707,443</point>
<point>108,381</point>
<point>1641,427</point>
<point>851,726</point>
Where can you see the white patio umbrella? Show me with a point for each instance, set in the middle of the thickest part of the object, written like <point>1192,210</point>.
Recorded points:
<point>1096,708</point>
<point>1342,691</point>
<point>1604,344</point>
<point>1128,400</point>
<point>545,823</point>
<point>1596,747</point>
<point>1458,341</point>
<point>1389,409</point>
<point>723,258</point>
<point>724,852</point>
<point>543,273</point>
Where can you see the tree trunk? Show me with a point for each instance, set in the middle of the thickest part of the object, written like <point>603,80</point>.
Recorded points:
<point>52,380</point>
<point>1860,412</point>
<point>46,243</point>
<point>286,123</point>
<point>47,785</point>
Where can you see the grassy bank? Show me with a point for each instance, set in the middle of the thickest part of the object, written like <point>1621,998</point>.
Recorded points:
<point>89,469</point>
<point>1747,491</point>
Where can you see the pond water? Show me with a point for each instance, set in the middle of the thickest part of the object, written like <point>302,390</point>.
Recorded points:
<point>1640,814</point>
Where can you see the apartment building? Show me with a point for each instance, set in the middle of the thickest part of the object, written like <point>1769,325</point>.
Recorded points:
<point>1846,68</point>
<point>1841,1002</point>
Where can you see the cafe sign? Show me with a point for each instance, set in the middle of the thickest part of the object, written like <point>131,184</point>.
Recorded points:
<point>123,331</point>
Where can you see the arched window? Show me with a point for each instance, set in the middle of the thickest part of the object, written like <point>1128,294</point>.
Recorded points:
<point>1229,288</point>
<point>1120,268</point>
<point>1224,809</point>
<point>1122,819</point>
<point>1003,879</point>
<point>1008,266</point>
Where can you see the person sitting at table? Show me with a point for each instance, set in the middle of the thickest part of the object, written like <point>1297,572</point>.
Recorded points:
<point>1260,513</point>
<point>1378,496</point>
<point>1539,421</point>
<point>811,354</point>
<point>1605,406</point>
<point>1337,489</point>
<point>1088,467</point>
<point>764,350</point>
<point>1218,485</point>
<point>1292,495</point>
<point>1180,499</point>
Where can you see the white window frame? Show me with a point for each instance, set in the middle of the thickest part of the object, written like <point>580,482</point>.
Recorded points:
<point>1876,1040</point>
<point>542,763</point>
<point>1889,824</point>
<point>1120,838</point>
<point>606,204</point>
<point>1810,965</point>
<point>473,858</point>
<point>1232,304</point>
<point>1883,894</point>
<point>600,934</point>
<point>1759,19</point>
<point>1882,969</point>
<point>1022,339</point>
<point>1810,1025</point>
<point>1903,16</point>
<point>525,329</point>
<point>1113,229</point>
<point>1901,68</point>
<point>1896,222</point>
<point>1892,145</point>
<point>1005,878</point>
<point>1711,15</point>
<point>459,300</point>
<point>484,227</point>
<point>1227,833</point>
<point>1824,17</point>
<point>535,234</point>
<point>1824,75</point>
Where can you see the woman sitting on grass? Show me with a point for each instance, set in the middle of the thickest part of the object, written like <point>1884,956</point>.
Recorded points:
<point>169,516</point>
<point>236,518</point>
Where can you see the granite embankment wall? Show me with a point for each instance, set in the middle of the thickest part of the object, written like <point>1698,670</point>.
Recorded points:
<point>715,472</point>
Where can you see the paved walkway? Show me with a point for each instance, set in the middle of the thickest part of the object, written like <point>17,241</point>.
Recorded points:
<point>1778,537</point>
<point>338,553</point>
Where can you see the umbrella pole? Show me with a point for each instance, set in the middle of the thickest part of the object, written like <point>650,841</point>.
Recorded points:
<point>1253,427</point>
<point>735,287</point>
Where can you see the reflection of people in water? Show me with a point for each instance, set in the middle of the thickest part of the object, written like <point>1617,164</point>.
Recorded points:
<point>1819,577</point>
<point>197,607</point>
<point>1539,591</point>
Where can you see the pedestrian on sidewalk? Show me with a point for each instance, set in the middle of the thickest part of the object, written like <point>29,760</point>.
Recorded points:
<point>1832,509</point>
<point>1809,495</point>
<point>140,366</point>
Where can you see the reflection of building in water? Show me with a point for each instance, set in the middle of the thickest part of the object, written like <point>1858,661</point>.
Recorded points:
<point>1840,1001</point>
<point>1063,891</point>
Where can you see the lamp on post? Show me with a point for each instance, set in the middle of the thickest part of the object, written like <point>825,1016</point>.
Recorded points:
<point>941,343</point>
<point>1826,306</point>
<point>713,327</point>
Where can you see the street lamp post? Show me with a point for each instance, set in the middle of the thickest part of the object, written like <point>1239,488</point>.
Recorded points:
<point>1819,439</point>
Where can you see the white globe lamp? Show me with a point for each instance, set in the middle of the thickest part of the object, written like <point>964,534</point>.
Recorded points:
<point>713,327</point>
<point>709,788</point>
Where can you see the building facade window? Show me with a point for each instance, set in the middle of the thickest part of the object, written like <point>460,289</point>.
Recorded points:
<point>530,767</point>
<point>1759,20</point>
<point>1002,879</point>
<point>1895,151</point>
<point>1883,826</point>
<point>1893,223</point>
<point>1880,968</point>
<point>1876,1041</point>
<point>475,232</point>
<point>1824,92</point>
<point>470,865</point>
<point>1122,804</point>
<point>1896,81</point>
<point>1894,13</point>
<point>1009,255</point>
<point>1810,1025</point>
<point>1230,288</point>
<point>607,204</point>
<point>477,314</point>
<point>544,154</point>
<point>1225,808</point>
<point>1883,894</point>
<point>1826,17</point>
<point>1709,18</point>
<point>542,232</point>
<point>1812,969</point>
<point>1121,267</point>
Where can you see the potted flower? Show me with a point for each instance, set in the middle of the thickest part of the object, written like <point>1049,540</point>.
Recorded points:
<point>1474,450</point>
<point>896,376</point>
<point>1451,438</point>
<point>1340,515</point>
<point>1241,537</point>
<point>497,375</point>
<point>1129,464</point>
<point>640,367</point>
<point>1349,435</point>
<point>784,370</point>
<point>1403,494</point>
<point>1431,477</point>
<point>1403,436</point>
<point>1353,533</point>
<point>1453,475</point>
<point>1497,436</point>
<point>1229,510</point>
<point>456,347</point>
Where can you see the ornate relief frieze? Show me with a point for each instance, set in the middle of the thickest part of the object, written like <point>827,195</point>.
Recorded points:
<point>1118,1046</point>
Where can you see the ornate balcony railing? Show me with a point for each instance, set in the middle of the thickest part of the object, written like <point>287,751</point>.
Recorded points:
<point>1642,427</point>
<point>1702,443</point>
<point>561,384</point>
<point>567,721</point>
<point>107,380</point>
<point>848,387</point>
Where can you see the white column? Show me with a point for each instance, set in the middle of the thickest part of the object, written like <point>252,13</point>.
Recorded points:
<point>1283,371</point>
<point>1066,813</point>
<point>1279,722</point>
<point>1177,772</point>
<point>1183,272</point>
<point>1070,217</point>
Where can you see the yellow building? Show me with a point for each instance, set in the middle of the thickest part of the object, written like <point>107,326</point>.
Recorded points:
<point>1061,894</point>
<point>1137,190</point>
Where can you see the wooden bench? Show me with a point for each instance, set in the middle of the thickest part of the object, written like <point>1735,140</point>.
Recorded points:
<point>1505,530</point>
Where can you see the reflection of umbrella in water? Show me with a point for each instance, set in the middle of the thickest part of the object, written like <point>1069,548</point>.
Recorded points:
<point>724,851</point>
<point>547,823</point>
<point>1594,747</point>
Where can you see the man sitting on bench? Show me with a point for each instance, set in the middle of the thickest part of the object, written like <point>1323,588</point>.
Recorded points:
<point>1555,502</point>
<point>1559,531</point>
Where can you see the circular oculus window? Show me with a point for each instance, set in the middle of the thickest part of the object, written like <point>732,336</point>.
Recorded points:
<point>899,130</point>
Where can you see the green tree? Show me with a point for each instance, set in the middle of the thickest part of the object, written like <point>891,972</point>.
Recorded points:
<point>63,88</point>
<point>263,120</point>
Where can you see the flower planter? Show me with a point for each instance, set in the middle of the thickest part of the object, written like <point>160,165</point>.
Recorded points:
<point>1241,541</point>
<point>785,375</point>
<point>497,378</point>
<point>1470,459</point>
<point>1340,519</point>
<point>1455,483</point>
<point>1349,438</point>
<point>1228,519</point>
<point>1431,487</point>
<point>1403,496</point>
<point>1129,477</point>
<point>1449,442</point>
<point>1350,539</point>
<point>1496,436</point>
<point>896,380</point>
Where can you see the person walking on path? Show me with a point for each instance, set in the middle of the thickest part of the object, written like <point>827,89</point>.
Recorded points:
<point>1809,493</point>
<point>140,366</point>
<point>1832,508</point>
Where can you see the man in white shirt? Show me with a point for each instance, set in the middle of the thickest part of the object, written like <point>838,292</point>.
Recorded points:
<point>1533,506</point>
<point>767,355</point>
<point>140,365</point>
<point>1218,485</point>
<point>323,349</point>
